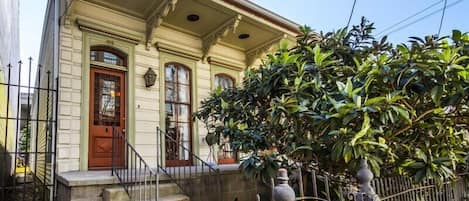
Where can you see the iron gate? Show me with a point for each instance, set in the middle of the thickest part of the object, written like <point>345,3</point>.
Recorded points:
<point>28,127</point>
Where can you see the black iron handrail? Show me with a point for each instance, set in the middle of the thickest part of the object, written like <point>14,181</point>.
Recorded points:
<point>198,181</point>
<point>138,179</point>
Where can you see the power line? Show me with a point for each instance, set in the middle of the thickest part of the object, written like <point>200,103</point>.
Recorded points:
<point>351,13</point>
<point>422,18</point>
<point>409,17</point>
<point>442,17</point>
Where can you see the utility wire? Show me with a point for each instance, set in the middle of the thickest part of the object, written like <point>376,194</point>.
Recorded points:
<point>351,13</point>
<point>442,17</point>
<point>422,18</point>
<point>409,17</point>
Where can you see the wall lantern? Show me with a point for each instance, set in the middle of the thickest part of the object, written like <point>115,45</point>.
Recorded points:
<point>150,77</point>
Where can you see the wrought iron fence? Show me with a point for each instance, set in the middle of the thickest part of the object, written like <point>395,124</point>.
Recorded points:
<point>28,127</point>
<point>200,181</point>
<point>404,189</point>
<point>139,180</point>
<point>308,185</point>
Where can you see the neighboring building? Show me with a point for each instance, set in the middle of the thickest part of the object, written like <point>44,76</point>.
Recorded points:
<point>102,52</point>
<point>9,54</point>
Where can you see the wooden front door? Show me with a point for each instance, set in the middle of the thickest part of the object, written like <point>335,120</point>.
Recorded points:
<point>107,110</point>
<point>178,104</point>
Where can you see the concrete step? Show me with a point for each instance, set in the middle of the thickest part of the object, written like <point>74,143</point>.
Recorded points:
<point>178,197</point>
<point>119,194</point>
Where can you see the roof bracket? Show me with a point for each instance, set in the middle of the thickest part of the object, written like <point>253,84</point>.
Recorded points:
<point>212,38</point>
<point>253,54</point>
<point>155,19</point>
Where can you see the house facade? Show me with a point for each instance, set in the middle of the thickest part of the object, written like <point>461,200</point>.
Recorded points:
<point>106,52</point>
<point>9,54</point>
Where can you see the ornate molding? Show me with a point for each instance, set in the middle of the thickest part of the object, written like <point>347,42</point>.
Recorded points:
<point>174,50</point>
<point>156,18</point>
<point>212,38</point>
<point>101,28</point>
<point>253,54</point>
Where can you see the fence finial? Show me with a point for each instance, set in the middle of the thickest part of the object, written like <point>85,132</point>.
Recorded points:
<point>364,176</point>
<point>282,191</point>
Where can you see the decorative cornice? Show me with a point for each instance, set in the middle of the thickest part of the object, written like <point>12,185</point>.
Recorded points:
<point>212,38</point>
<point>226,63</point>
<point>168,48</point>
<point>253,54</point>
<point>156,18</point>
<point>103,29</point>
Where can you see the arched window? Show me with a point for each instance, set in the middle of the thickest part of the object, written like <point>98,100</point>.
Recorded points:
<point>224,81</point>
<point>178,104</point>
<point>226,155</point>
<point>108,55</point>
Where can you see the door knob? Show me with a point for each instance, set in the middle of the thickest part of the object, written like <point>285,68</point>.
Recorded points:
<point>123,130</point>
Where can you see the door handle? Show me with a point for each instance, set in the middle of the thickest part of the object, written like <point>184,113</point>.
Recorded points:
<point>107,130</point>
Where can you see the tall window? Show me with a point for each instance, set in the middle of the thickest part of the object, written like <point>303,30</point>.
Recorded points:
<point>178,112</point>
<point>226,155</point>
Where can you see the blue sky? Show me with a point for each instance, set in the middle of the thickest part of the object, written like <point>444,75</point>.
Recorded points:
<point>319,14</point>
<point>330,15</point>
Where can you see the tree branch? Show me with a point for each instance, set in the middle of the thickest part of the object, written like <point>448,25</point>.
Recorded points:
<point>402,130</point>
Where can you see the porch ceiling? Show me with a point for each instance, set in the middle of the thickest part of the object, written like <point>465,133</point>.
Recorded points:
<point>217,23</point>
<point>136,8</point>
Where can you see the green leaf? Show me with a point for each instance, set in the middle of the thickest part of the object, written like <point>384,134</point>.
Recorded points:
<point>365,127</point>
<point>349,87</point>
<point>456,35</point>
<point>347,153</point>
<point>437,92</point>
<point>402,113</point>
<point>224,104</point>
<point>375,100</point>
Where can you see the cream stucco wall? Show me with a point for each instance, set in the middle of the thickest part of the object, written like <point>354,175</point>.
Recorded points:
<point>70,96</point>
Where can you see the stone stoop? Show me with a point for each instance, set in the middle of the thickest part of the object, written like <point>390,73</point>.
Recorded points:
<point>167,191</point>
<point>101,186</point>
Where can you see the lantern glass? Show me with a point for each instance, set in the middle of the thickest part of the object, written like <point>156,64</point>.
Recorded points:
<point>150,78</point>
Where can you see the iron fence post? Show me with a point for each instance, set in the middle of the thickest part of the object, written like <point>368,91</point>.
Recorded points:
<point>113,150</point>
<point>364,176</point>
<point>157,164</point>
<point>283,191</point>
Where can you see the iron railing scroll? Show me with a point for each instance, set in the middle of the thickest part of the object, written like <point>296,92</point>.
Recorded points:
<point>138,179</point>
<point>200,181</point>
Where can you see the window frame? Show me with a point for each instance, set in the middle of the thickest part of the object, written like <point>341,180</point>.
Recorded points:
<point>235,76</point>
<point>224,75</point>
<point>119,54</point>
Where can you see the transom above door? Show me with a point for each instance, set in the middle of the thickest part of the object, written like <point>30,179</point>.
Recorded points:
<point>178,110</point>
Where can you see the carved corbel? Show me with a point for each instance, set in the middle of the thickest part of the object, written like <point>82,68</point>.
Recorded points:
<point>212,38</point>
<point>253,54</point>
<point>156,18</point>
<point>65,19</point>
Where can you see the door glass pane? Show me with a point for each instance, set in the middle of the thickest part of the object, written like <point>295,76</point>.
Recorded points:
<point>183,76</point>
<point>106,100</point>
<point>183,94</point>
<point>170,72</point>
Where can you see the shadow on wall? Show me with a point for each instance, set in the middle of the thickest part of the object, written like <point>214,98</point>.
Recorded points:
<point>5,167</point>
